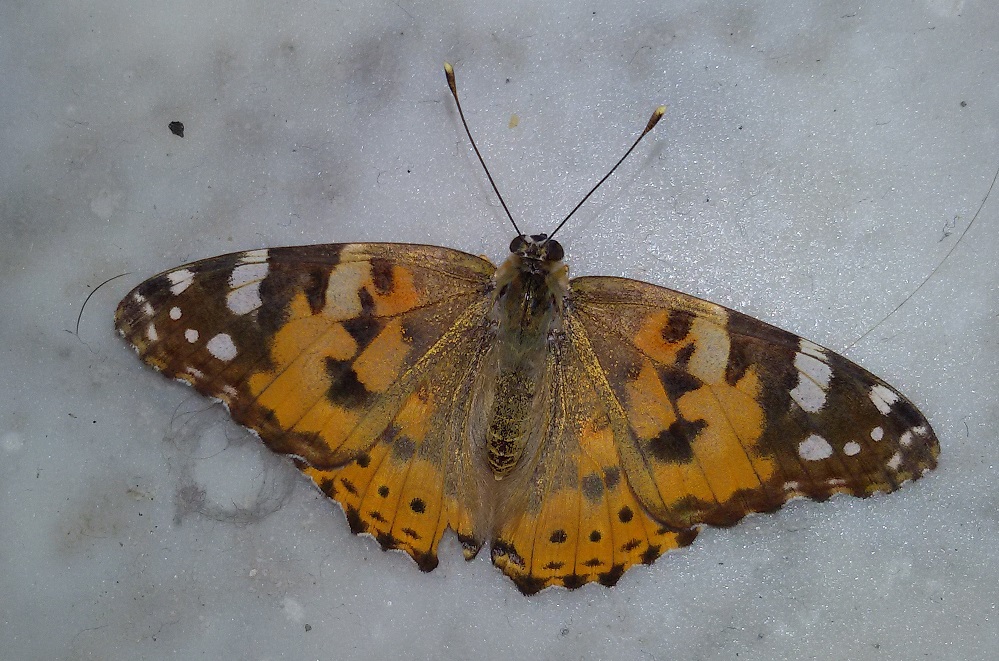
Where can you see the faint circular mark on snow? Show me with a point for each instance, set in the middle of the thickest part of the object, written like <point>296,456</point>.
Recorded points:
<point>293,610</point>
<point>11,441</point>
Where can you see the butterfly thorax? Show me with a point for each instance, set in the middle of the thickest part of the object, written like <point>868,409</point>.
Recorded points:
<point>531,286</point>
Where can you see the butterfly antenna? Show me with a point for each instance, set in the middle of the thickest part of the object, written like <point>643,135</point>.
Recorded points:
<point>449,72</point>
<point>656,116</point>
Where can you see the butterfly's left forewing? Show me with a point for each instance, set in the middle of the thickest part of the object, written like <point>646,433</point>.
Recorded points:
<point>356,359</point>
<point>728,415</point>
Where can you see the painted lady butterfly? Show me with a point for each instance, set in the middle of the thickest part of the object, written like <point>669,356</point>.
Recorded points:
<point>580,427</point>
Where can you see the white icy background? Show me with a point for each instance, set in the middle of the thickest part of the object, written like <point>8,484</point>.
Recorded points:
<point>815,166</point>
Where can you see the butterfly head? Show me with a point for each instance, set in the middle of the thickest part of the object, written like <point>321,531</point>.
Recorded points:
<point>538,248</point>
<point>531,284</point>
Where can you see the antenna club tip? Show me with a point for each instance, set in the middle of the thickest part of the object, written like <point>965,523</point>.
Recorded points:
<point>656,116</point>
<point>448,69</point>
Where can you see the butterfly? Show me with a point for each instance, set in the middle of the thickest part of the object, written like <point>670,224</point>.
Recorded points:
<point>577,427</point>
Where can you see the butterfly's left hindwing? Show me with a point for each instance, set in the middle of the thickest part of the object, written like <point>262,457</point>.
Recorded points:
<point>356,359</point>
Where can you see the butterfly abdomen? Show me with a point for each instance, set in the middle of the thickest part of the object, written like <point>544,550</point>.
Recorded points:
<point>508,427</point>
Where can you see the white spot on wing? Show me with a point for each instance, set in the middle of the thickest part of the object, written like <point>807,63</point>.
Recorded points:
<point>147,309</point>
<point>343,300</point>
<point>814,448</point>
<point>813,368</point>
<point>175,313</point>
<point>813,377</point>
<point>895,461</point>
<point>883,398</point>
<point>151,333</point>
<point>877,434</point>
<point>247,273</point>
<point>245,299</point>
<point>254,256</point>
<point>191,335</point>
<point>195,372</point>
<point>180,281</point>
<point>811,349</point>
<point>809,396</point>
<point>851,448</point>
<point>230,391</point>
<point>222,347</point>
<point>711,351</point>
<point>905,440</point>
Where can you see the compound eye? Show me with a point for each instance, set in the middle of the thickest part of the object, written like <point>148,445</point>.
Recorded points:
<point>518,245</point>
<point>554,251</point>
